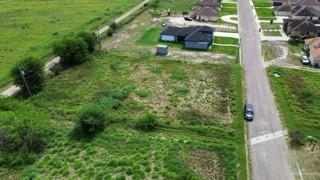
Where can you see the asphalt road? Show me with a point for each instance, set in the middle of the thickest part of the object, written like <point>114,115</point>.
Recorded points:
<point>268,155</point>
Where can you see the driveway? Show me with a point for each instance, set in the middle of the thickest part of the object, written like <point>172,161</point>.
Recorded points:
<point>179,21</point>
<point>266,139</point>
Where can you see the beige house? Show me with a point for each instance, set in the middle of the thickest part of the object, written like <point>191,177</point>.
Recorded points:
<point>313,46</point>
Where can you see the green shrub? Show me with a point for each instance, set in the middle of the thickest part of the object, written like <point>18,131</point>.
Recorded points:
<point>90,39</point>
<point>179,75</point>
<point>91,120</point>
<point>23,132</point>
<point>110,32</point>
<point>148,122</point>
<point>297,138</point>
<point>32,70</point>
<point>72,51</point>
<point>142,93</point>
<point>182,91</point>
<point>113,26</point>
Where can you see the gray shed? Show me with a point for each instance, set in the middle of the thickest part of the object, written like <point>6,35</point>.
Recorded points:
<point>162,49</point>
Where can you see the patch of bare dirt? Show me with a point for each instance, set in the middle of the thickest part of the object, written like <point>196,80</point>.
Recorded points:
<point>200,57</point>
<point>205,163</point>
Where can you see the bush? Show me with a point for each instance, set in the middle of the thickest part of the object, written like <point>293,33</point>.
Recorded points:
<point>91,120</point>
<point>90,39</point>
<point>110,32</point>
<point>72,51</point>
<point>297,138</point>
<point>33,74</point>
<point>148,122</point>
<point>113,26</point>
<point>23,132</point>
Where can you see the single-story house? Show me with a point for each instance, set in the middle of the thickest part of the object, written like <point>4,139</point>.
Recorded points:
<point>196,37</point>
<point>205,13</point>
<point>302,12</point>
<point>283,10</point>
<point>313,47</point>
<point>301,27</point>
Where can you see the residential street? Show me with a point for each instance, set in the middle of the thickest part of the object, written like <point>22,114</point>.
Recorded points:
<point>267,146</point>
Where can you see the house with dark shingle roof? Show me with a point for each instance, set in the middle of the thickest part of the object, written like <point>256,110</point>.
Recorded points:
<point>283,10</point>
<point>196,37</point>
<point>302,27</point>
<point>302,12</point>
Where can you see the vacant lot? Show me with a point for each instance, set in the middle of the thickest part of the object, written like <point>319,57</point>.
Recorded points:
<point>298,96</point>
<point>30,27</point>
<point>199,106</point>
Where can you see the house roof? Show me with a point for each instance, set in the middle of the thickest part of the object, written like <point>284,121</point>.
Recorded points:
<point>285,7</point>
<point>184,31</point>
<point>314,3</point>
<point>206,11</point>
<point>314,47</point>
<point>197,36</point>
<point>194,33</point>
<point>210,3</point>
<point>306,11</point>
<point>304,25</point>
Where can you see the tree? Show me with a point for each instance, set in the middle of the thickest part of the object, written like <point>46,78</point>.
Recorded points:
<point>148,122</point>
<point>90,120</point>
<point>90,39</point>
<point>28,75</point>
<point>110,32</point>
<point>113,26</point>
<point>154,4</point>
<point>72,51</point>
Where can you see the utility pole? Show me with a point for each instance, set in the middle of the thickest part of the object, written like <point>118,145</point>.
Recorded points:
<point>22,73</point>
<point>99,41</point>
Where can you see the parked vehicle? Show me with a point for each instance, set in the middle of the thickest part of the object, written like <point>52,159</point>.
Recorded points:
<point>304,59</point>
<point>187,18</point>
<point>248,112</point>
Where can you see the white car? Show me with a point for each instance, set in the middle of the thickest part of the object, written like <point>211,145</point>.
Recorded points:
<point>304,59</point>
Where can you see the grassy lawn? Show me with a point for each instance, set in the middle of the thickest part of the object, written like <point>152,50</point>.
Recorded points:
<point>28,28</point>
<point>200,135</point>
<point>268,26</point>
<point>298,97</point>
<point>226,40</point>
<point>261,3</point>
<point>228,9</point>
<point>265,14</point>
<point>177,6</point>
<point>232,51</point>
<point>271,33</point>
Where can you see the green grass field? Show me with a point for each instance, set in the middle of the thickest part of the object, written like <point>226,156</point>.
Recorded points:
<point>272,33</point>
<point>261,3</point>
<point>298,97</point>
<point>28,28</point>
<point>228,9</point>
<point>226,40</point>
<point>200,135</point>
<point>177,6</point>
